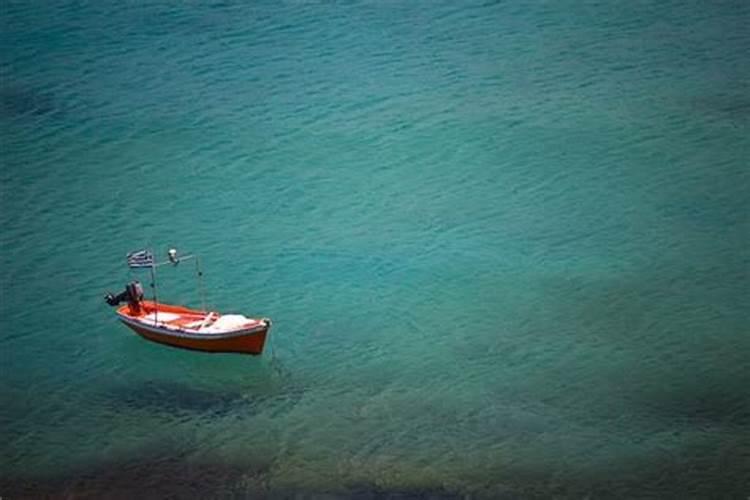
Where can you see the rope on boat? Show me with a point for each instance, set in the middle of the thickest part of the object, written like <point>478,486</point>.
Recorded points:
<point>274,362</point>
<point>201,290</point>
<point>273,350</point>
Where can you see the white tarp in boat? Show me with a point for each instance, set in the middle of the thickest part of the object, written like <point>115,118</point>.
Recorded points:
<point>227,323</point>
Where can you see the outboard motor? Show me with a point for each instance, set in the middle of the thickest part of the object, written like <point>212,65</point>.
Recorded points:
<point>133,294</point>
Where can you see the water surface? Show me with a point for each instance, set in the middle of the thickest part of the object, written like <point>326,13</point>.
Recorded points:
<point>504,246</point>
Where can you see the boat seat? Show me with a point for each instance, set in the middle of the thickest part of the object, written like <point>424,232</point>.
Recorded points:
<point>162,317</point>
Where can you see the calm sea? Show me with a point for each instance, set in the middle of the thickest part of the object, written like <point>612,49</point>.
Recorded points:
<point>505,246</point>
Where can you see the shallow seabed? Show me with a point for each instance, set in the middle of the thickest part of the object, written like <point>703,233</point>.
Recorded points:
<point>505,246</point>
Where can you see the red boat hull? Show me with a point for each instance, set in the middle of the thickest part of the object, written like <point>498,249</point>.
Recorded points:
<point>249,344</point>
<point>176,330</point>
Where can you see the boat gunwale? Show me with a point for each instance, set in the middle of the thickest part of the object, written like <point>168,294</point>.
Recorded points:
<point>181,333</point>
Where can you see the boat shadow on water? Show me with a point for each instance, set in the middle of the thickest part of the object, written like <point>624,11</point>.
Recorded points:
<point>17,101</point>
<point>170,397</point>
<point>174,397</point>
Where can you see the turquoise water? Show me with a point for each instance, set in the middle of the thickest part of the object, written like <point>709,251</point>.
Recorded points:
<point>505,247</point>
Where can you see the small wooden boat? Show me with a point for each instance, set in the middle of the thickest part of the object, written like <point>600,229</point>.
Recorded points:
<point>200,330</point>
<point>183,327</point>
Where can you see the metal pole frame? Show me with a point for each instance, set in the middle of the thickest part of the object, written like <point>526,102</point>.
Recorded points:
<point>199,273</point>
<point>153,287</point>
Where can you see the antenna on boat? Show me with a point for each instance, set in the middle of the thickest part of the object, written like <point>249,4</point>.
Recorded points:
<point>153,287</point>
